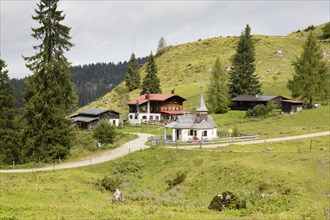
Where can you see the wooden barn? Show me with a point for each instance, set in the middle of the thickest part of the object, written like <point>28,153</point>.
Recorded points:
<point>245,102</point>
<point>89,118</point>
<point>291,106</point>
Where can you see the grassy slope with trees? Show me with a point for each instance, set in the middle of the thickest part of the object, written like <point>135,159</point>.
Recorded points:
<point>185,67</point>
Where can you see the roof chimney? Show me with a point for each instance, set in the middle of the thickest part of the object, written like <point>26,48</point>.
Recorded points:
<point>172,91</point>
<point>147,95</point>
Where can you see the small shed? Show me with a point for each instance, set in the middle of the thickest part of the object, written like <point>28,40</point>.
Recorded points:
<point>89,118</point>
<point>245,102</point>
<point>291,106</point>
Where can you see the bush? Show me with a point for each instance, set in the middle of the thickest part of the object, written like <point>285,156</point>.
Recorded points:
<point>105,133</point>
<point>110,183</point>
<point>179,178</point>
<point>257,111</point>
<point>128,167</point>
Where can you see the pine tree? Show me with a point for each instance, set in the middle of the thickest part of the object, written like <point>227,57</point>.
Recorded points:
<point>151,83</point>
<point>133,76</point>
<point>243,79</point>
<point>9,132</point>
<point>218,91</point>
<point>311,77</point>
<point>50,94</point>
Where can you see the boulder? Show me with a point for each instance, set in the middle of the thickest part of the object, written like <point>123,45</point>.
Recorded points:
<point>224,200</point>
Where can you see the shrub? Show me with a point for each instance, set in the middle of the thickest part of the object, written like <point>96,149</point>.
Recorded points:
<point>105,133</point>
<point>127,167</point>
<point>179,178</point>
<point>257,111</point>
<point>110,183</point>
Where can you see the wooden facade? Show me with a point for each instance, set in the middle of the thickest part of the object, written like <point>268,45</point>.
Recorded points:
<point>245,102</point>
<point>89,118</point>
<point>292,106</point>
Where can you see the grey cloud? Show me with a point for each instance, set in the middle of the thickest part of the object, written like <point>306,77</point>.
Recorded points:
<point>106,31</point>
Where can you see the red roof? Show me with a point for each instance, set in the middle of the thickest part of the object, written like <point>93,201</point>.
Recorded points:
<point>180,112</point>
<point>293,101</point>
<point>153,97</point>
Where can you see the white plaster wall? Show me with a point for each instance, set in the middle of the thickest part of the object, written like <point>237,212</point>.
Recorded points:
<point>140,117</point>
<point>114,122</point>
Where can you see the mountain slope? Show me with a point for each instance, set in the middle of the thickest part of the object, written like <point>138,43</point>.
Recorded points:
<point>187,66</point>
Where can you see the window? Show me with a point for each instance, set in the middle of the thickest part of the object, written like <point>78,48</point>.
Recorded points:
<point>157,117</point>
<point>136,116</point>
<point>144,117</point>
<point>151,117</point>
<point>204,133</point>
<point>191,132</point>
<point>131,117</point>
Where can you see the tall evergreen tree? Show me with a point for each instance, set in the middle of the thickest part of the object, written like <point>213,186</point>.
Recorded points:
<point>243,79</point>
<point>311,77</point>
<point>218,91</point>
<point>9,132</point>
<point>151,83</point>
<point>50,94</point>
<point>133,76</point>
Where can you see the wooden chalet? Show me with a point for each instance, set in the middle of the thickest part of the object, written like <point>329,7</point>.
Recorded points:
<point>155,108</point>
<point>245,102</point>
<point>89,118</point>
<point>291,106</point>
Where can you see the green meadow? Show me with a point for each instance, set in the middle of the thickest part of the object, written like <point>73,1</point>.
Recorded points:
<point>289,182</point>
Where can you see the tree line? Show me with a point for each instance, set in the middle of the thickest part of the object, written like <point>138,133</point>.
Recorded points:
<point>90,81</point>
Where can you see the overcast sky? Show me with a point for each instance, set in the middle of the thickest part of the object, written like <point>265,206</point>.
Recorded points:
<point>109,31</point>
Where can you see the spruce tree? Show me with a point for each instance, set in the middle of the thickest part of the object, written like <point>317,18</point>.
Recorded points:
<point>218,91</point>
<point>243,79</point>
<point>9,132</point>
<point>311,77</point>
<point>133,76</point>
<point>151,83</point>
<point>50,94</point>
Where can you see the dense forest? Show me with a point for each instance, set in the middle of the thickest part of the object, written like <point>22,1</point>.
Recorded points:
<point>91,81</point>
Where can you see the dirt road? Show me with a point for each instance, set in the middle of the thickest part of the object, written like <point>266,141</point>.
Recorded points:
<point>326,133</point>
<point>139,144</point>
<point>129,147</point>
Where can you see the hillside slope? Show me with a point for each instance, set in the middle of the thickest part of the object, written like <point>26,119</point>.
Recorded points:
<point>187,66</point>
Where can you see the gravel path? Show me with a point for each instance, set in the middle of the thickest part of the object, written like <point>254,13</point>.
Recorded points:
<point>129,147</point>
<point>139,144</point>
<point>187,147</point>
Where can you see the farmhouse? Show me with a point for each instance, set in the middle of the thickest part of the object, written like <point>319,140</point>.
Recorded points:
<point>245,102</point>
<point>89,118</point>
<point>155,108</point>
<point>199,127</point>
<point>291,106</point>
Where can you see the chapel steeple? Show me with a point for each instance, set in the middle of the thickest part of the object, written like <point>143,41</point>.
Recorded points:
<point>201,110</point>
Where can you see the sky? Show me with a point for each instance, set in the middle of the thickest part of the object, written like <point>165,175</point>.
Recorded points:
<point>110,31</point>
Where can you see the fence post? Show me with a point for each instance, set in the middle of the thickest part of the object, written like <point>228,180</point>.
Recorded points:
<point>310,146</point>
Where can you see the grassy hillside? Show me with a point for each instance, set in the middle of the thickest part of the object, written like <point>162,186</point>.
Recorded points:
<point>293,180</point>
<point>185,67</point>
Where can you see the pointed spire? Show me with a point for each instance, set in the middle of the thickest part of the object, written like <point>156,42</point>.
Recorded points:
<point>201,106</point>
